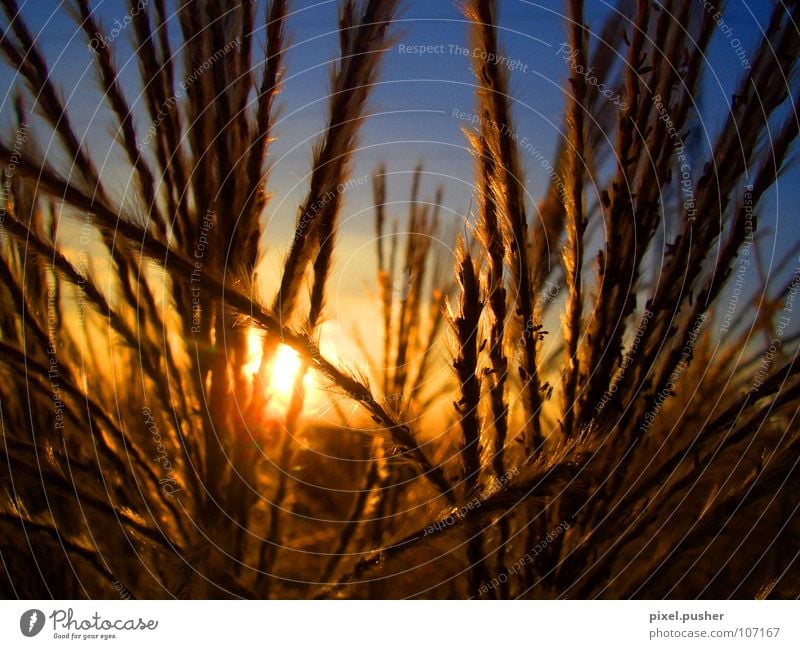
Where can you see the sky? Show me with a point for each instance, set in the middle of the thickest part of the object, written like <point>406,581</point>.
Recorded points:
<point>414,111</point>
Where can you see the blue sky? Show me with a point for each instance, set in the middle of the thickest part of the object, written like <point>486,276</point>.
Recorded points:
<point>413,106</point>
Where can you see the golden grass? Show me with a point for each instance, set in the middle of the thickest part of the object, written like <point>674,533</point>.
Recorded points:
<point>139,445</point>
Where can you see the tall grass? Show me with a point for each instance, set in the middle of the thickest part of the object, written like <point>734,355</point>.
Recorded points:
<point>629,452</point>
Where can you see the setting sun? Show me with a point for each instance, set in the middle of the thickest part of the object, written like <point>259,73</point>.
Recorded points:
<point>255,353</point>
<point>280,370</point>
<point>283,372</point>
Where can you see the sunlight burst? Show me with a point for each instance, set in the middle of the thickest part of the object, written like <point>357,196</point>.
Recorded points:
<point>280,370</point>
<point>285,366</point>
<point>255,352</point>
